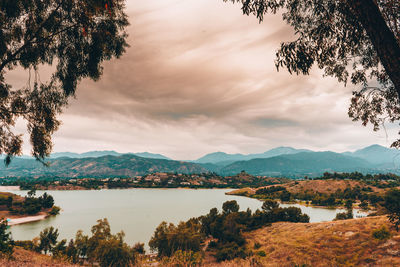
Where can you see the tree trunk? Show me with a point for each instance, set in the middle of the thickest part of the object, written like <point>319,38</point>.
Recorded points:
<point>382,38</point>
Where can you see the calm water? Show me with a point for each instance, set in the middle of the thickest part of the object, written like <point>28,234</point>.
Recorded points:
<point>137,211</point>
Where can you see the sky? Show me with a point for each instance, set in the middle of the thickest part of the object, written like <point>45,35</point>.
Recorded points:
<point>199,77</point>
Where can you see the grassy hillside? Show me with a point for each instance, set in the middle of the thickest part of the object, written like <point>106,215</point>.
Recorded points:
<point>22,257</point>
<point>321,186</point>
<point>338,243</point>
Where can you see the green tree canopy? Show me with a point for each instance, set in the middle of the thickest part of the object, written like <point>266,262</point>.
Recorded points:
<point>392,204</point>
<point>48,239</point>
<point>352,40</point>
<point>230,206</point>
<point>6,242</point>
<point>75,37</point>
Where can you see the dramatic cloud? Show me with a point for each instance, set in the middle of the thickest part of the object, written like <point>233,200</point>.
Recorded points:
<point>200,77</point>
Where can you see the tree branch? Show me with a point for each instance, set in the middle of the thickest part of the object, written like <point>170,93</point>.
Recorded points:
<point>382,38</point>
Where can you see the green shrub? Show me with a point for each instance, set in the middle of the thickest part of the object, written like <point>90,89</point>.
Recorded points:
<point>54,210</point>
<point>381,233</point>
<point>257,245</point>
<point>231,251</point>
<point>212,244</point>
<point>261,253</point>
<point>26,244</point>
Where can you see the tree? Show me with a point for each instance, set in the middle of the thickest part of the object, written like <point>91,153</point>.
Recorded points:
<point>230,206</point>
<point>356,40</point>
<point>31,193</point>
<point>60,248</point>
<point>47,201</point>
<point>392,204</point>
<point>6,243</point>
<point>48,239</point>
<point>169,238</point>
<point>113,253</point>
<point>71,252</point>
<point>76,36</point>
<point>269,205</point>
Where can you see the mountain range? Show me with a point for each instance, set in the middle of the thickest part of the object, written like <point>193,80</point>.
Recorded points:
<point>126,165</point>
<point>96,154</point>
<point>222,158</point>
<point>280,161</point>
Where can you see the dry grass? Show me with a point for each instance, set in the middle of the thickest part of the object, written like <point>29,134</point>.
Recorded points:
<point>322,186</point>
<point>24,258</point>
<point>326,186</point>
<point>339,243</point>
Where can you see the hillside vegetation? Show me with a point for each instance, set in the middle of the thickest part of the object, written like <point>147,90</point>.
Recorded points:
<point>22,258</point>
<point>106,166</point>
<point>318,185</point>
<point>278,162</point>
<point>338,243</point>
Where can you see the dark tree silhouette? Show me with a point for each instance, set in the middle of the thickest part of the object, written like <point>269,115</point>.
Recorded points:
<point>356,40</point>
<point>75,36</point>
<point>392,204</point>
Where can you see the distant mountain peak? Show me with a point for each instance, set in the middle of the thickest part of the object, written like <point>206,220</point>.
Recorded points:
<point>377,154</point>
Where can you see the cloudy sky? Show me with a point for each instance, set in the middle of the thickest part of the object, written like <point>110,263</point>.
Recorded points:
<point>199,77</point>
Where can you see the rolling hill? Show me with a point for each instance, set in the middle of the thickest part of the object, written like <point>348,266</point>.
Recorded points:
<point>304,163</point>
<point>106,166</point>
<point>223,159</point>
<point>96,154</point>
<point>281,161</point>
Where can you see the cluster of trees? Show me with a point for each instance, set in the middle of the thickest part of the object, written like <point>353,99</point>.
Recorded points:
<point>339,197</point>
<point>32,204</point>
<point>173,180</point>
<point>387,180</point>
<point>225,228</point>
<point>392,205</point>
<point>102,247</point>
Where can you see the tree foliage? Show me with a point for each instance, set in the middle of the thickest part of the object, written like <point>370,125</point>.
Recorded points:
<point>354,40</point>
<point>102,247</point>
<point>75,37</point>
<point>48,239</point>
<point>392,204</point>
<point>6,242</point>
<point>225,227</point>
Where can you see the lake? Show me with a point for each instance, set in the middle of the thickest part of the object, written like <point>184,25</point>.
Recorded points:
<point>138,211</point>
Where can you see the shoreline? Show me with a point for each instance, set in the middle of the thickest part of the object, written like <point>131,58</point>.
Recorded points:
<point>123,188</point>
<point>26,219</point>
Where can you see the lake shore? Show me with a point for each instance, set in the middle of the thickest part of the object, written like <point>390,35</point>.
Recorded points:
<point>26,219</point>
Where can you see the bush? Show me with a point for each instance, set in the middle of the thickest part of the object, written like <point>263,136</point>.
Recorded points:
<point>381,233</point>
<point>26,244</point>
<point>231,251</point>
<point>261,253</point>
<point>212,244</point>
<point>54,210</point>
<point>257,245</point>
<point>186,258</point>
<point>341,216</point>
<point>364,205</point>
